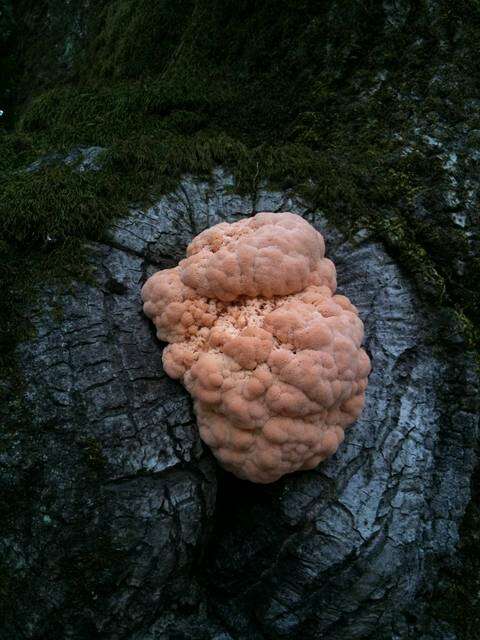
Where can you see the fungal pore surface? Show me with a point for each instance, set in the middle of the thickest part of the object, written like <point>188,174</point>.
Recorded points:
<point>271,356</point>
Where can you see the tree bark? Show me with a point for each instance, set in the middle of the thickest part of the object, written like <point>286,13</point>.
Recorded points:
<point>115,529</point>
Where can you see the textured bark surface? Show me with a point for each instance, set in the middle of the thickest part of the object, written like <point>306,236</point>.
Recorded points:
<point>118,531</point>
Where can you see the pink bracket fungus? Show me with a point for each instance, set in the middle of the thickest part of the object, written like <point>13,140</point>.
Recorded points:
<point>271,356</point>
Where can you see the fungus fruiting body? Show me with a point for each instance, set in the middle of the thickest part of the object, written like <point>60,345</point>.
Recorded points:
<point>271,356</point>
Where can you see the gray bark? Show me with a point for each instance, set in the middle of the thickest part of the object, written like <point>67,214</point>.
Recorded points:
<point>117,530</point>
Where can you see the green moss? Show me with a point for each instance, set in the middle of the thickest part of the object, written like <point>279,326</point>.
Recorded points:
<point>69,116</point>
<point>16,151</point>
<point>93,453</point>
<point>129,41</point>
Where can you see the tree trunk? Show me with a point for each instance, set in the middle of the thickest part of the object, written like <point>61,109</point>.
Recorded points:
<point>123,526</point>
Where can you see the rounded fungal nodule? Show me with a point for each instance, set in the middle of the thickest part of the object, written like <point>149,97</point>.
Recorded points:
<point>271,356</point>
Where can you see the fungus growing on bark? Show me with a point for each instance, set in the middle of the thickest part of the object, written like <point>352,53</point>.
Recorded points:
<point>271,356</point>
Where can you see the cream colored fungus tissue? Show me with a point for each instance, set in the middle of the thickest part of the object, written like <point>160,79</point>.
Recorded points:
<point>271,356</point>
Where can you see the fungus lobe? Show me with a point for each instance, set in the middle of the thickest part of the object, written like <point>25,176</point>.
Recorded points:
<point>271,356</point>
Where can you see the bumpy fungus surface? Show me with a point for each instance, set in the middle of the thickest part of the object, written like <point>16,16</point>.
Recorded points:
<point>270,355</point>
